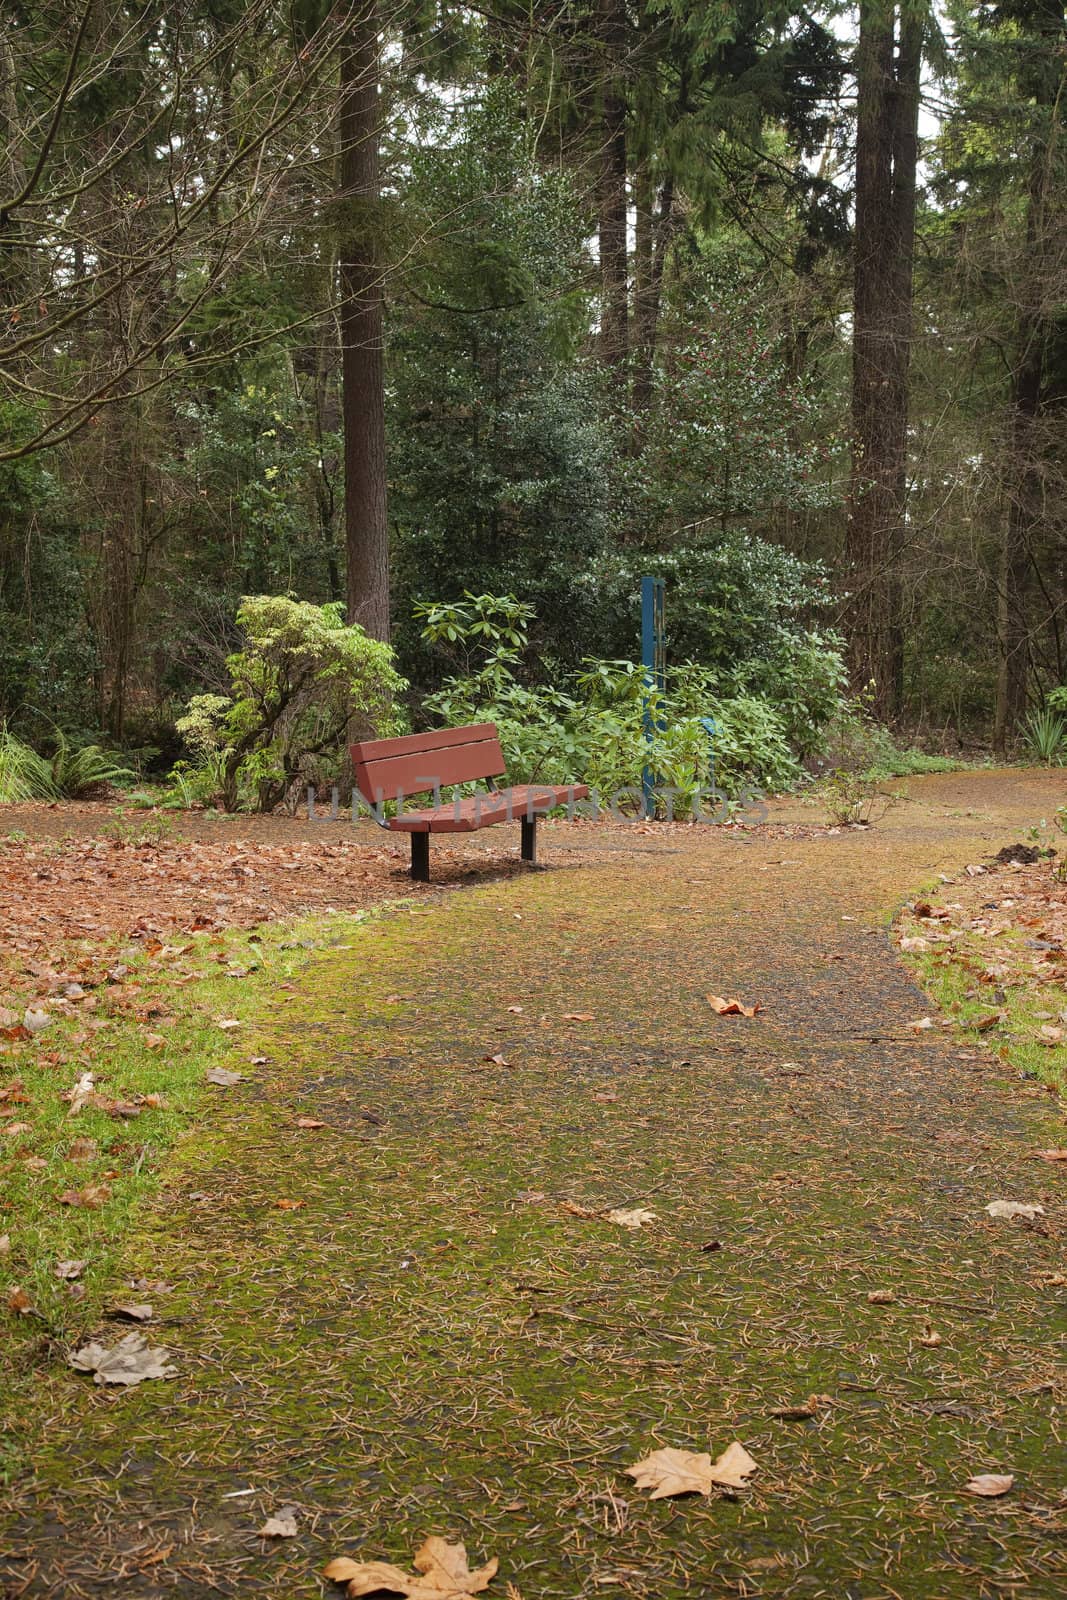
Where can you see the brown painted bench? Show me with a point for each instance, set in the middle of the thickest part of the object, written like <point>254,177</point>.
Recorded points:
<point>421,763</point>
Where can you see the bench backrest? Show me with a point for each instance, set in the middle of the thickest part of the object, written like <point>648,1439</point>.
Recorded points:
<point>419,761</point>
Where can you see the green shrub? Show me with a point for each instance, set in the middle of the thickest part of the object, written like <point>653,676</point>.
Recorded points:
<point>591,725</point>
<point>303,682</point>
<point>1045,733</point>
<point>24,775</point>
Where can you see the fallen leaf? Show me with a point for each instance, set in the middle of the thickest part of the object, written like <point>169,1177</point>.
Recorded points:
<point>579,1016</point>
<point>224,1079</point>
<point>670,1472</point>
<point>516,1011</point>
<point>984,1024</point>
<point>90,1198</point>
<point>35,1021</point>
<point>444,1574</point>
<point>281,1526</point>
<point>638,1218</point>
<point>802,1413</point>
<point>577,1210</point>
<point>81,1093</point>
<point>132,1312</point>
<point>66,1271</point>
<point>83,1150</point>
<point>5,1243</point>
<point>19,1302</point>
<point>731,1008</point>
<point>497,1060</point>
<point>921,1024</point>
<point>227,1023</point>
<point>14,1128</point>
<point>881,1297</point>
<point>288,1205</point>
<point>1051,1155</point>
<point>309,1122</point>
<point>1014,1208</point>
<point>930,1338</point>
<point>154,1041</point>
<point>989,1484</point>
<point>130,1361</point>
<point>914,944</point>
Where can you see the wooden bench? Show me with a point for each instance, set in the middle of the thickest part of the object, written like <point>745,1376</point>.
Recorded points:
<point>421,763</point>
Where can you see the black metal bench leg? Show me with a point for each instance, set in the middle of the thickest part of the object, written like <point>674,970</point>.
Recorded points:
<point>420,857</point>
<point>529,839</point>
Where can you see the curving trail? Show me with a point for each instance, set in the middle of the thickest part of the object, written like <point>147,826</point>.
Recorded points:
<point>443,1339</point>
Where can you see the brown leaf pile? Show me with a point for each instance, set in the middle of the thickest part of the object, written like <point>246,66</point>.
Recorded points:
<point>56,889</point>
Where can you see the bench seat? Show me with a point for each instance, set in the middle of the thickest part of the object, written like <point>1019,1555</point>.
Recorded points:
<point>483,810</point>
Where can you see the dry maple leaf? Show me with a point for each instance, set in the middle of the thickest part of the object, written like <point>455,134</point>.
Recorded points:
<point>89,1199</point>
<point>442,1567</point>
<point>1007,1209</point>
<point>131,1361</point>
<point>670,1472</point>
<point>282,1525</point>
<point>638,1218</point>
<point>989,1484</point>
<point>731,1008</point>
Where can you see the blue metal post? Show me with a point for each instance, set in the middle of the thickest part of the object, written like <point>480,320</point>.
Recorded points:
<point>654,661</point>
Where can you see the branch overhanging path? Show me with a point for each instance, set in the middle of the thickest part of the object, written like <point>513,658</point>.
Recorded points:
<point>446,1333</point>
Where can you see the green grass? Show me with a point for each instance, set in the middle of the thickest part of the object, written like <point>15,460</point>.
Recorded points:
<point>952,980</point>
<point>195,986</point>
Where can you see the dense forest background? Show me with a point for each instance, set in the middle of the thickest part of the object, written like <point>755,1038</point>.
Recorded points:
<point>386,303</point>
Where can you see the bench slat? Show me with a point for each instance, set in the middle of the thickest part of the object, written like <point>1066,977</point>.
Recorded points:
<point>414,763</point>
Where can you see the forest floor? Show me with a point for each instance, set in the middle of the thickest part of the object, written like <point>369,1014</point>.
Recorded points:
<point>383,1260</point>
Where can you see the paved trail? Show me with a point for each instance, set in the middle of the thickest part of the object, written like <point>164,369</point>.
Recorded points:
<point>437,1342</point>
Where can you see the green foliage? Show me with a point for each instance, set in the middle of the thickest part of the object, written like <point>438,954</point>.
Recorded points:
<point>72,772</point>
<point>500,462</point>
<point>302,683</point>
<point>732,433</point>
<point>590,724</point>
<point>853,743</point>
<point>24,775</point>
<point>853,799</point>
<point>82,771</point>
<point>1045,735</point>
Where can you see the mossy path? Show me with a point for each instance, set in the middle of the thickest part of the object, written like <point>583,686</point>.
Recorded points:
<point>436,1342</point>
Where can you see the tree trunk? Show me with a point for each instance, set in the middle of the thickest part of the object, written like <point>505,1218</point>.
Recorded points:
<point>649,293</point>
<point>614,273</point>
<point>887,67</point>
<point>362,366</point>
<point>1034,324</point>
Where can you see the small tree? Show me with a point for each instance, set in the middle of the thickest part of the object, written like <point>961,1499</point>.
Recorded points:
<point>303,682</point>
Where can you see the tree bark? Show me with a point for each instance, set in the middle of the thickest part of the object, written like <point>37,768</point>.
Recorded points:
<point>1033,331</point>
<point>888,64</point>
<point>614,266</point>
<point>362,361</point>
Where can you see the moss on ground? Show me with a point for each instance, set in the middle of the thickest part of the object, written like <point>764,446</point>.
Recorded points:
<point>447,1335</point>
